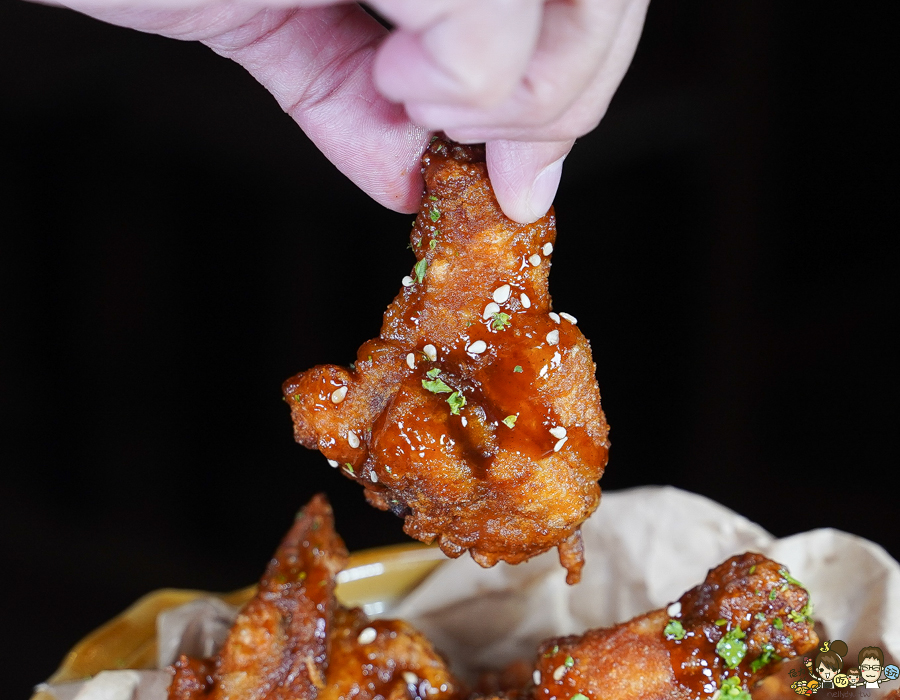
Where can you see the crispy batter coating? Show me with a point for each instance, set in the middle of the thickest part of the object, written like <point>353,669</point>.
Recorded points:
<point>475,414</point>
<point>645,658</point>
<point>293,641</point>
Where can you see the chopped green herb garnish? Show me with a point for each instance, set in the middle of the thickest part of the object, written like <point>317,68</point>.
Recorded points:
<point>767,655</point>
<point>501,321</point>
<point>517,368</point>
<point>753,569</point>
<point>760,616</point>
<point>569,662</point>
<point>578,696</point>
<point>435,214</point>
<point>432,198</point>
<point>674,629</point>
<point>432,373</point>
<point>432,244</point>
<point>789,578</point>
<point>773,594</point>
<point>510,421</point>
<point>456,401</point>
<point>731,689</point>
<point>349,467</point>
<point>802,615</point>
<point>731,648</point>
<point>779,625</point>
<point>420,269</point>
<point>436,386</point>
<point>721,621</point>
<point>552,651</point>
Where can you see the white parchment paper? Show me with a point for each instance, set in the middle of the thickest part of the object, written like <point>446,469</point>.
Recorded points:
<point>644,547</point>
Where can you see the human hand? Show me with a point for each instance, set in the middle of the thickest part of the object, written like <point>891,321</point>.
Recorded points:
<point>525,76</point>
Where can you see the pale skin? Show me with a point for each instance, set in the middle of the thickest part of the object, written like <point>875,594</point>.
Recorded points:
<point>825,673</point>
<point>870,669</point>
<point>527,77</point>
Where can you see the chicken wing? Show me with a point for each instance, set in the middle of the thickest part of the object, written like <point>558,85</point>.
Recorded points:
<point>475,414</point>
<point>293,641</point>
<point>726,634</point>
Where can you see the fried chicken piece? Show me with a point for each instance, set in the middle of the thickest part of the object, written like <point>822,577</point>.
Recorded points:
<point>475,414</point>
<point>727,633</point>
<point>398,664</point>
<point>293,641</point>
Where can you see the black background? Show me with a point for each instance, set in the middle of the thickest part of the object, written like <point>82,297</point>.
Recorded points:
<point>173,248</point>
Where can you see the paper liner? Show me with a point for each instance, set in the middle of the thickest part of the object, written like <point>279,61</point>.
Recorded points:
<point>644,547</point>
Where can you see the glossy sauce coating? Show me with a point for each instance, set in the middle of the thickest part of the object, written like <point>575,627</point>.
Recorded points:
<point>293,641</point>
<point>642,658</point>
<point>475,414</point>
<point>752,593</point>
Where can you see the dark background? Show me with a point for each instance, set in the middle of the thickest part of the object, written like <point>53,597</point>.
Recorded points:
<point>173,248</point>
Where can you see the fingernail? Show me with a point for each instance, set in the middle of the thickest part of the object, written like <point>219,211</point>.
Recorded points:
<point>544,188</point>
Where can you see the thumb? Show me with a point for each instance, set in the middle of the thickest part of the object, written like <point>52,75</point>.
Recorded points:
<point>525,176</point>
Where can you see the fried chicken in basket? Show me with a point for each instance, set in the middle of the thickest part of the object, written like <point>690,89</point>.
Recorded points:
<point>719,639</point>
<point>475,414</point>
<point>293,641</point>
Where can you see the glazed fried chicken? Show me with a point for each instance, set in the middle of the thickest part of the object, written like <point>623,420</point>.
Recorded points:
<point>475,414</point>
<point>293,641</point>
<point>724,635</point>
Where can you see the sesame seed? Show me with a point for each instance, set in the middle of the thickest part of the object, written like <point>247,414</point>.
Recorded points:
<point>554,316</point>
<point>553,337</point>
<point>352,439</point>
<point>373,477</point>
<point>536,677</point>
<point>543,370</point>
<point>526,302</point>
<point>559,672</point>
<point>338,394</point>
<point>464,422</point>
<point>367,636</point>
<point>559,444</point>
<point>569,317</point>
<point>674,610</point>
<point>547,249</point>
<point>535,260</point>
<point>490,310</point>
<point>476,348</point>
<point>407,281</point>
<point>332,462</point>
<point>501,294</point>
<point>411,361</point>
<point>410,678</point>
<point>558,431</point>
<point>430,352</point>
